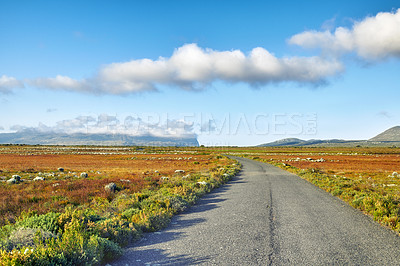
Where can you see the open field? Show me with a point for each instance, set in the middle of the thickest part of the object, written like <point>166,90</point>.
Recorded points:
<point>71,218</point>
<point>73,203</point>
<point>132,171</point>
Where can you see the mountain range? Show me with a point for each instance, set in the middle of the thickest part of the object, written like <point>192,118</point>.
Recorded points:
<point>390,137</point>
<point>33,137</point>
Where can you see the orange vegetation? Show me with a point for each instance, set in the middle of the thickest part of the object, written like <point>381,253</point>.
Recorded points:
<point>369,163</point>
<point>130,169</point>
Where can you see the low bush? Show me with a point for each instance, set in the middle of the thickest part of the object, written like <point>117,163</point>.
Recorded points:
<point>47,222</point>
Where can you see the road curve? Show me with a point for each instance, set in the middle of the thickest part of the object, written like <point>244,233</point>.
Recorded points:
<point>267,216</point>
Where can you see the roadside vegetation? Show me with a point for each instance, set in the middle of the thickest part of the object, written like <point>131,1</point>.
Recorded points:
<point>82,205</point>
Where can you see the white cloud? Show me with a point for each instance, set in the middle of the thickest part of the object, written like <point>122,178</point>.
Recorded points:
<point>379,37</point>
<point>73,125</point>
<point>60,82</point>
<point>18,127</point>
<point>329,24</point>
<point>191,67</point>
<point>373,38</point>
<point>106,119</point>
<point>338,42</point>
<point>7,84</point>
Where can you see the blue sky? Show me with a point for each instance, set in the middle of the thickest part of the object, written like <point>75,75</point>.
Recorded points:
<point>228,72</point>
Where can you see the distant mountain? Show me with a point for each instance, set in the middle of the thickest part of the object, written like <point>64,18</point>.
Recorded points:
<point>33,137</point>
<point>284,142</point>
<point>389,137</point>
<point>293,142</point>
<point>392,134</point>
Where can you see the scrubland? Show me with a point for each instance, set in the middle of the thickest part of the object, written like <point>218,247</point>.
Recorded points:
<point>81,205</point>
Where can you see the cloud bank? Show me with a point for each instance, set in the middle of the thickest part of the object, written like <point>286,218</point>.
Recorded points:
<point>109,124</point>
<point>373,39</point>
<point>193,68</point>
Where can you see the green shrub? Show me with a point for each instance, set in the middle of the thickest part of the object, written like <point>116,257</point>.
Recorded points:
<point>152,220</point>
<point>47,222</point>
<point>108,249</point>
<point>337,192</point>
<point>127,214</point>
<point>116,230</point>
<point>26,237</point>
<point>178,204</point>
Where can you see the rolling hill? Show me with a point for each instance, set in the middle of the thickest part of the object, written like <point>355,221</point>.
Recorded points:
<point>392,134</point>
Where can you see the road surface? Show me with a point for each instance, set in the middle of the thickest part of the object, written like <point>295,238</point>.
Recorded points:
<point>267,216</point>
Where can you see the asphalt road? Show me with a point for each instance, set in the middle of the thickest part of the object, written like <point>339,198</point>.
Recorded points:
<point>267,216</point>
